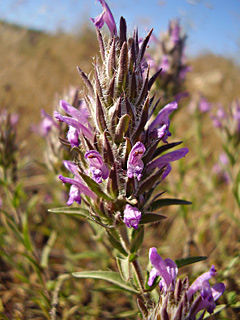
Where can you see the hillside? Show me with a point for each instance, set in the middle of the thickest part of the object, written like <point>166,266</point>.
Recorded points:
<point>35,66</point>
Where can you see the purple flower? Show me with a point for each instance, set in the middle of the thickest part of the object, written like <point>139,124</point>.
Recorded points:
<point>204,105</point>
<point>208,294</point>
<point>72,136</point>
<point>219,168</point>
<point>77,183</point>
<point>105,17</point>
<point>98,168</point>
<point>175,31</point>
<point>167,269</point>
<point>78,120</point>
<point>46,125</point>
<point>159,126</point>
<point>134,163</point>
<point>198,283</point>
<point>166,158</point>
<point>165,65</point>
<point>132,216</point>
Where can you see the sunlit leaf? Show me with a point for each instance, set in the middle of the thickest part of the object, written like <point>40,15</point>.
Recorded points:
<point>110,276</point>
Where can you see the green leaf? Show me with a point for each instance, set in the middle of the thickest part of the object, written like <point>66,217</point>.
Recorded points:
<point>26,236</point>
<point>110,276</point>
<point>125,315</point>
<point>167,202</point>
<point>165,147</point>
<point>149,182</point>
<point>71,211</point>
<point>216,310</point>
<point>124,268</point>
<point>185,261</point>
<point>151,217</point>
<point>94,186</point>
<point>137,240</point>
<point>47,249</point>
<point>116,244</point>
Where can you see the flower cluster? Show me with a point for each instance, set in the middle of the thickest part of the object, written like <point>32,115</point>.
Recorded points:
<point>168,55</point>
<point>228,121</point>
<point>179,300</point>
<point>118,141</point>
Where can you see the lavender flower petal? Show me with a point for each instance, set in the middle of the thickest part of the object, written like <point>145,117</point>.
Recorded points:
<point>166,158</point>
<point>72,136</point>
<point>159,126</point>
<point>75,113</point>
<point>158,263</point>
<point>197,284</point>
<point>134,163</point>
<point>98,168</point>
<point>132,216</point>
<point>105,17</point>
<point>74,195</point>
<point>74,123</point>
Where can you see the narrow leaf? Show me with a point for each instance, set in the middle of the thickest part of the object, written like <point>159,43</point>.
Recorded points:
<point>116,244</point>
<point>144,118</point>
<point>151,218</point>
<point>86,81</point>
<point>138,236</point>
<point>71,211</point>
<point>101,44</point>
<point>100,115</point>
<point>124,268</point>
<point>123,31</point>
<point>185,261</point>
<point>148,183</point>
<point>167,202</point>
<point>144,46</point>
<point>165,147</point>
<point>94,186</point>
<point>111,276</point>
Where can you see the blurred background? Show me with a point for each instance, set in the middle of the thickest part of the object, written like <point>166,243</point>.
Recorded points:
<point>43,41</point>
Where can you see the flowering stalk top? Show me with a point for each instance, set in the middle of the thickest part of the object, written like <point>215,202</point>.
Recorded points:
<point>118,140</point>
<point>186,301</point>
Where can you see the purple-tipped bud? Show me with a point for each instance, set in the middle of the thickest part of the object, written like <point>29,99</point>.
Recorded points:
<point>134,163</point>
<point>132,216</point>
<point>98,168</point>
<point>105,17</point>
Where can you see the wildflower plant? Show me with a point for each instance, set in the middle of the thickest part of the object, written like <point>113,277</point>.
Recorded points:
<point>227,124</point>
<point>169,55</point>
<point>122,154</point>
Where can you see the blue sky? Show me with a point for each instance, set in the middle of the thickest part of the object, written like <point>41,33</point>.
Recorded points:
<point>211,25</point>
